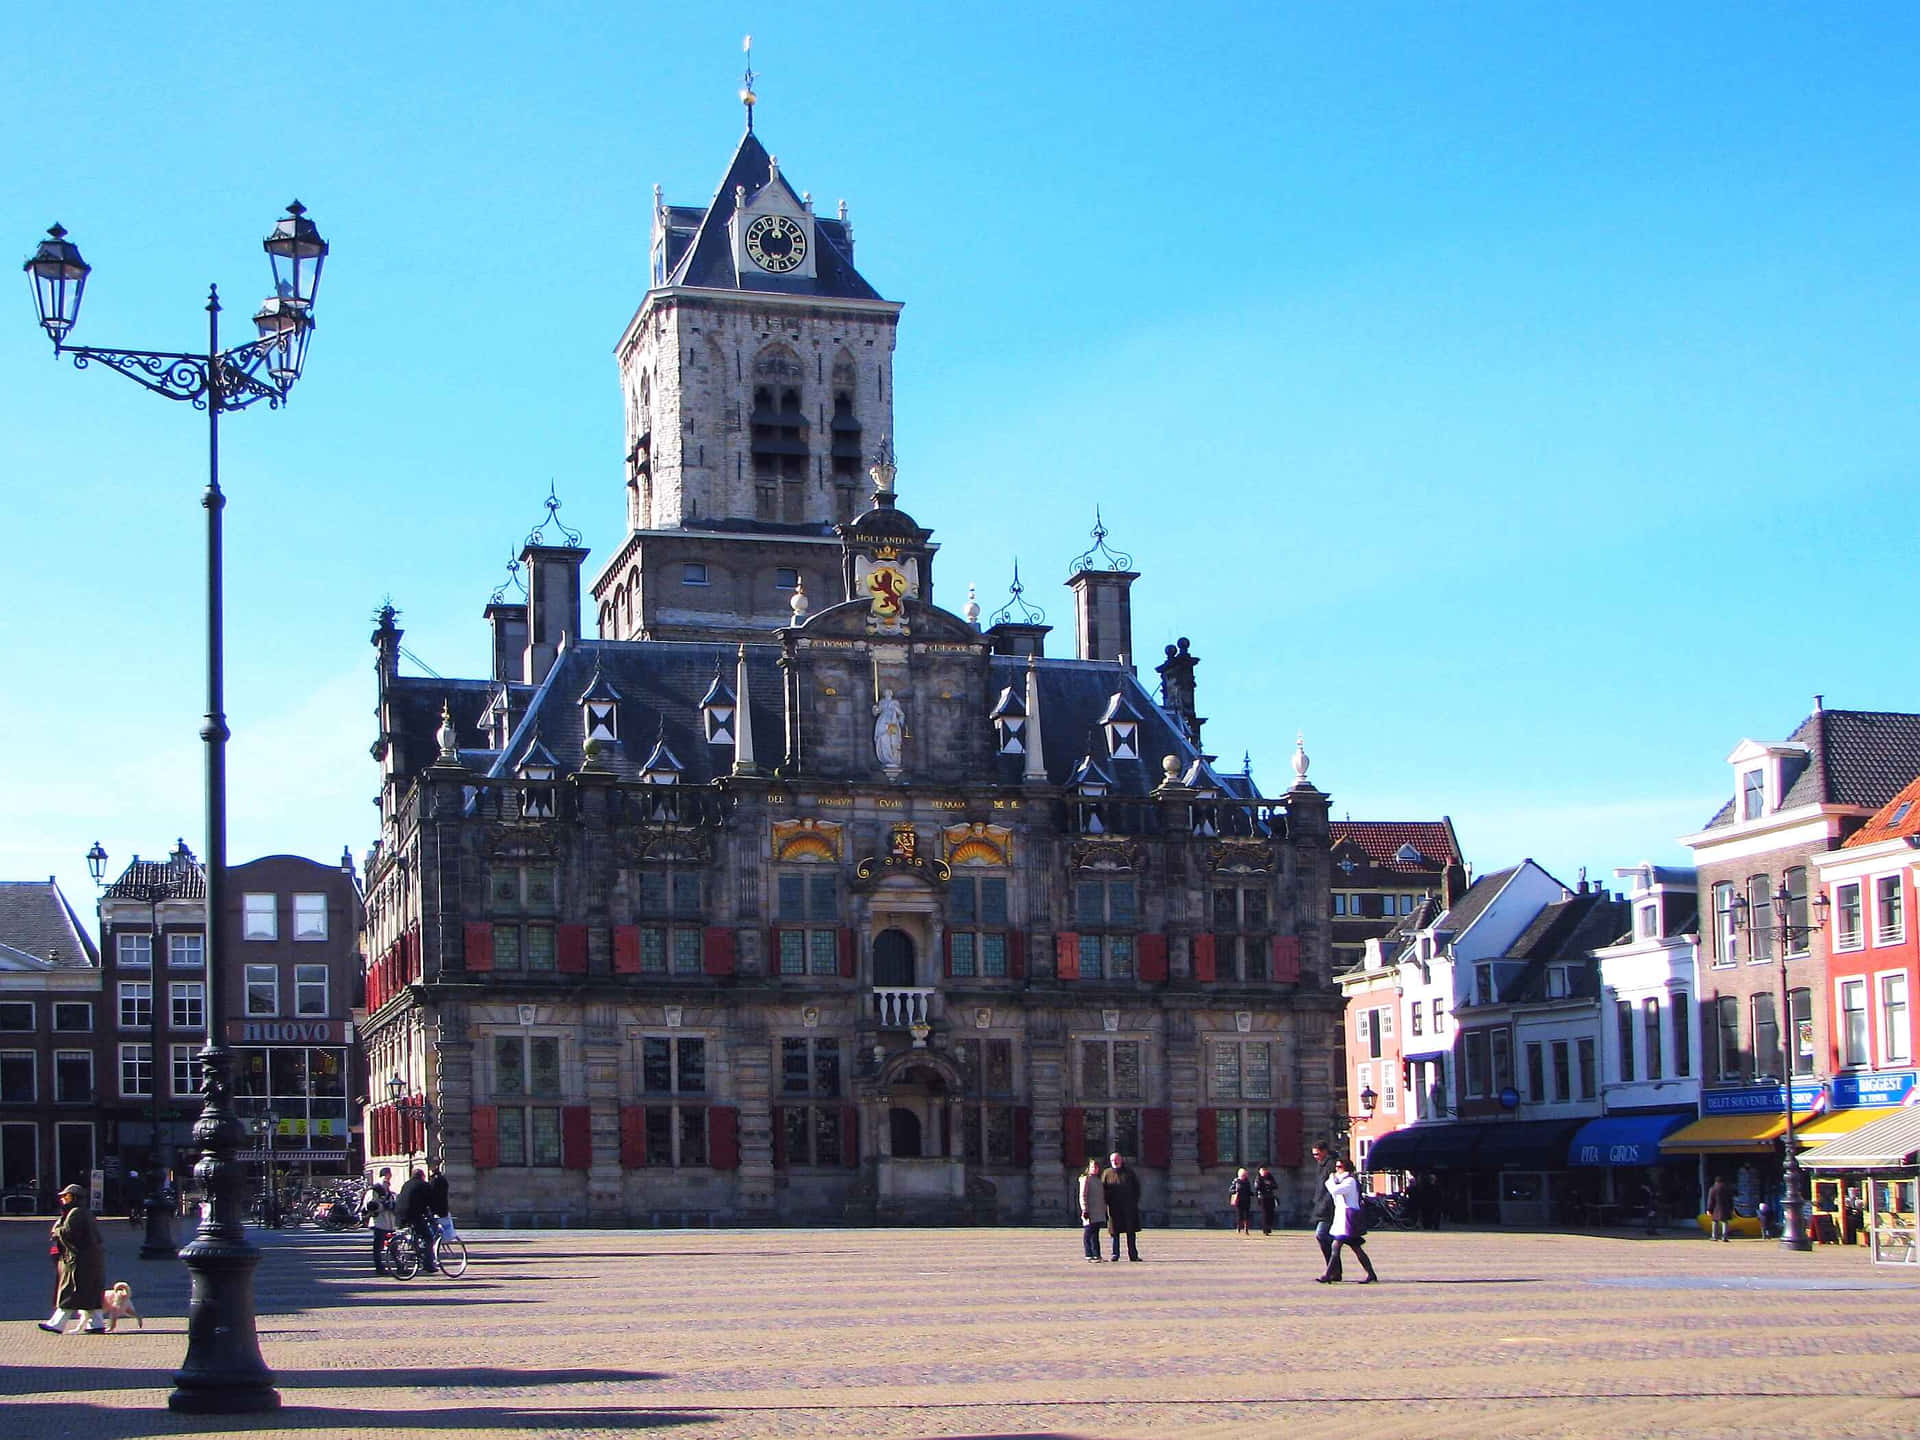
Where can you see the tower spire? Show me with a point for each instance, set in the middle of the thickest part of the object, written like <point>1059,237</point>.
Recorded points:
<point>747,97</point>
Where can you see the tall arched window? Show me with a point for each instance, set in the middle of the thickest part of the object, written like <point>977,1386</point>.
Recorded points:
<point>778,425</point>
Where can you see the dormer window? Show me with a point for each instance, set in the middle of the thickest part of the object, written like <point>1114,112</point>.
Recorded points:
<point>600,711</point>
<point>538,768</point>
<point>1753,794</point>
<point>717,708</point>
<point>662,767</point>
<point>1090,785</point>
<point>1650,919</point>
<point>1204,812</point>
<point>1010,723</point>
<point>1407,855</point>
<point>1122,725</point>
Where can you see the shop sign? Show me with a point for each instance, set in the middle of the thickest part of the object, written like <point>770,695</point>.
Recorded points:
<point>287,1032</point>
<point>1892,1087</point>
<point>1757,1099</point>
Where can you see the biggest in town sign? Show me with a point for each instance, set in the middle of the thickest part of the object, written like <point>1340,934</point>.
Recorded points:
<point>286,1032</point>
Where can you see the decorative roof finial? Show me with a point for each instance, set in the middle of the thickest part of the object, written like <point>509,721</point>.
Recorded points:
<point>747,97</point>
<point>1018,610</point>
<point>537,535</point>
<point>447,737</point>
<point>970,612</point>
<point>1098,556</point>
<point>884,469</point>
<point>1300,761</point>
<point>798,604</point>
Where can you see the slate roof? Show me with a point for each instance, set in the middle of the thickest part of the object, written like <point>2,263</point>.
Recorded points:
<point>1468,907</point>
<point>1381,841</point>
<point>1855,757</point>
<point>37,922</point>
<point>706,261</point>
<point>1565,932</point>
<point>1884,825</point>
<point>180,879</point>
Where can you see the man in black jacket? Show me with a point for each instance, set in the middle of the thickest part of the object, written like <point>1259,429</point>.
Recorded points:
<point>1323,1210</point>
<point>414,1209</point>
<point>1120,1186</point>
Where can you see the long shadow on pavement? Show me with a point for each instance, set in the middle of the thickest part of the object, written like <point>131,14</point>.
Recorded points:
<point>47,1421</point>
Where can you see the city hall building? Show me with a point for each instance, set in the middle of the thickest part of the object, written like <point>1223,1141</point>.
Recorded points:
<point>795,897</point>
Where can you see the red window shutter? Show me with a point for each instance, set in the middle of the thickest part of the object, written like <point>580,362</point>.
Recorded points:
<point>1153,958</point>
<point>570,949</point>
<point>946,952</point>
<point>576,1137</point>
<point>416,957</point>
<point>849,1135</point>
<point>1209,1138</point>
<point>716,958</point>
<point>1203,958</point>
<point>1286,957</point>
<point>1016,955</point>
<point>486,1137</point>
<point>1073,1138</point>
<point>626,949</point>
<point>849,953</point>
<point>1156,1137</point>
<point>1288,1131</point>
<point>1022,1135</point>
<point>779,1137</point>
<point>1066,955</point>
<point>723,1137</point>
<point>633,1137</point>
<point>479,946</point>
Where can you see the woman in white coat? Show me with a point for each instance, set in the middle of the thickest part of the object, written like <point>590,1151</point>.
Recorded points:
<point>1093,1210</point>
<point>1348,1228</point>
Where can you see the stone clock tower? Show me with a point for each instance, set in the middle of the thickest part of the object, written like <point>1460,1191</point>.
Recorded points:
<point>758,380</point>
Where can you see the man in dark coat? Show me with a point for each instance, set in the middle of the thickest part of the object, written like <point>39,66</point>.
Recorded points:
<point>1120,1184</point>
<point>1323,1210</point>
<point>437,1198</point>
<point>1720,1208</point>
<point>414,1209</point>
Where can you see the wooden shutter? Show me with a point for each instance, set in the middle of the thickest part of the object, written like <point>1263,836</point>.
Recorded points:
<point>1153,958</point>
<point>570,949</point>
<point>416,957</point>
<point>1016,954</point>
<point>1288,1130</point>
<point>1022,1136</point>
<point>1073,1138</point>
<point>633,1137</point>
<point>849,953</point>
<point>723,1137</point>
<point>1286,957</point>
<point>626,949</point>
<point>1209,1138</point>
<point>576,1137</point>
<point>946,953</point>
<point>1066,955</point>
<point>850,1134</point>
<point>1156,1137</point>
<point>479,946</point>
<point>716,950</point>
<point>1203,958</point>
<point>486,1137</point>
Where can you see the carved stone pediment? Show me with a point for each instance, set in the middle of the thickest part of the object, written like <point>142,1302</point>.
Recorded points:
<point>1248,857</point>
<point>1107,854</point>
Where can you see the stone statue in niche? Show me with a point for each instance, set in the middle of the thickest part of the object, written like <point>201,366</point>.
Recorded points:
<point>889,729</point>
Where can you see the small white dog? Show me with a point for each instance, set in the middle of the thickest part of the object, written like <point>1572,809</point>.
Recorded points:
<point>117,1305</point>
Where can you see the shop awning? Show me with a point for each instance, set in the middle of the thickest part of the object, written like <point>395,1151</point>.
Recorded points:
<point>1623,1139</point>
<point>1425,1147</point>
<point>1889,1143</point>
<point>1525,1144</point>
<point>1730,1134</point>
<point>1835,1123</point>
<point>1491,1145</point>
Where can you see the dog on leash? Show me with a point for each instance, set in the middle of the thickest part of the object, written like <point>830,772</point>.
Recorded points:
<point>117,1305</point>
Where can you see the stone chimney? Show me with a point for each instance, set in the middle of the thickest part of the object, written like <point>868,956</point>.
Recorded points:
<point>1103,613</point>
<point>1177,688</point>
<point>509,626</point>
<point>553,605</point>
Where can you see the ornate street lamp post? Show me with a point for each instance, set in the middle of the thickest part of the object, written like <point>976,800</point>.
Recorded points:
<point>223,1372</point>
<point>408,1108</point>
<point>1786,934</point>
<point>159,1243</point>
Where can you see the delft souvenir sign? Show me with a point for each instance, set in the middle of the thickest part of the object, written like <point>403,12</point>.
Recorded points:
<point>1757,1099</point>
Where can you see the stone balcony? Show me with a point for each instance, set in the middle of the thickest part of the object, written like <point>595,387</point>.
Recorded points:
<point>898,1007</point>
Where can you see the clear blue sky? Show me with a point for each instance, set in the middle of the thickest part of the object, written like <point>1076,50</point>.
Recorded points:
<point>1516,398</point>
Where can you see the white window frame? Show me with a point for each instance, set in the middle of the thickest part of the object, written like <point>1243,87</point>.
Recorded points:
<point>128,993</point>
<point>261,974</point>
<point>193,993</point>
<point>1843,938</point>
<point>93,1080</point>
<point>134,951</point>
<point>179,943</point>
<point>129,1055</point>
<point>1848,1060</point>
<point>1885,899</point>
<point>303,981</point>
<point>259,916</point>
<point>1890,1057</point>
<point>32,1058</point>
<point>59,1029</point>
<point>303,931</point>
<point>176,1055</point>
<point>33,1019</point>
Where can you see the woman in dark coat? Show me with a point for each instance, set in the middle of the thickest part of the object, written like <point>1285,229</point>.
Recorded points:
<point>82,1274</point>
<point>1240,1196</point>
<point>1266,1190</point>
<point>1720,1207</point>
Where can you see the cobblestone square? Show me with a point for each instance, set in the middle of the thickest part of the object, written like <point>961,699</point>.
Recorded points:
<point>1006,1332</point>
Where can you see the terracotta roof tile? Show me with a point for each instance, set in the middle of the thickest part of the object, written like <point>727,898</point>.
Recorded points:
<point>1382,839</point>
<point>1899,816</point>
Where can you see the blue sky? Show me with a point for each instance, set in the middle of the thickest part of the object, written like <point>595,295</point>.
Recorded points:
<point>1515,398</point>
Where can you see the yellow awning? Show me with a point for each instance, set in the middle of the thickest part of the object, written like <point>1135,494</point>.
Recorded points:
<point>1726,1134</point>
<point>1823,1128</point>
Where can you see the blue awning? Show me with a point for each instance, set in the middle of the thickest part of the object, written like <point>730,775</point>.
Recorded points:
<point>1623,1139</point>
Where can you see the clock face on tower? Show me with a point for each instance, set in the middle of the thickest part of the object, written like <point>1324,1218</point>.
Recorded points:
<point>776,243</point>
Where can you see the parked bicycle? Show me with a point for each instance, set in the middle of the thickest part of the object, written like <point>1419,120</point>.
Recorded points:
<point>1389,1211</point>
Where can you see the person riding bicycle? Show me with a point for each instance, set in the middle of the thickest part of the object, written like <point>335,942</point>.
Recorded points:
<point>414,1209</point>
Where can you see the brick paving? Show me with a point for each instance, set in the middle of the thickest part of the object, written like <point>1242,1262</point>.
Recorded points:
<point>1006,1333</point>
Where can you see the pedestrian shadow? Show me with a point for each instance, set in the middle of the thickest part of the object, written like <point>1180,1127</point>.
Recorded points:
<point>100,1422</point>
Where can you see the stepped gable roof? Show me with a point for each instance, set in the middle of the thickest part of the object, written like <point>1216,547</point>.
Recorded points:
<point>39,930</point>
<point>661,684</point>
<point>1899,816</point>
<point>1854,757</point>
<point>1382,841</point>
<point>181,879</point>
<point>707,259</point>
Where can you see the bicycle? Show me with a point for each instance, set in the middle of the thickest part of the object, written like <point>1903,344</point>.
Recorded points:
<point>405,1259</point>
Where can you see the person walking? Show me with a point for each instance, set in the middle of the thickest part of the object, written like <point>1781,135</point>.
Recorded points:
<point>1266,1190</point>
<point>414,1209</point>
<point>1093,1210</point>
<point>1349,1225</point>
<point>376,1207</point>
<point>81,1277</point>
<point>1720,1208</point>
<point>1323,1208</point>
<point>1240,1197</point>
<point>1120,1185</point>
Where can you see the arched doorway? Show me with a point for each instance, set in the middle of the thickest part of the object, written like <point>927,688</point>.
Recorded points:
<point>893,958</point>
<point>904,1131</point>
